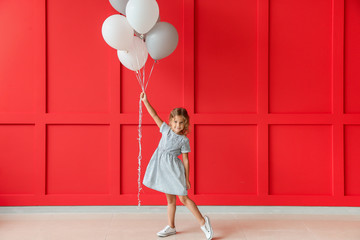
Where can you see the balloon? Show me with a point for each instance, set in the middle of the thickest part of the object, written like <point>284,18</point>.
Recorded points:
<point>119,5</point>
<point>162,40</point>
<point>142,14</point>
<point>144,35</point>
<point>117,32</point>
<point>135,58</point>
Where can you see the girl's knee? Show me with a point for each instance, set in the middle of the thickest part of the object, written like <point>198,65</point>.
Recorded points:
<point>184,200</point>
<point>171,199</point>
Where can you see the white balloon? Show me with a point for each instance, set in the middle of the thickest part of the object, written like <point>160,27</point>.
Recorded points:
<point>135,58</point>
<point>117,32</point>
<point>144,35</point>
<point>142,14</point>
<point>119,5</point>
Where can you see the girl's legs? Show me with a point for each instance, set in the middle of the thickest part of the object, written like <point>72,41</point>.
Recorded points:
<point>193,208</point>
<point>171,199</point>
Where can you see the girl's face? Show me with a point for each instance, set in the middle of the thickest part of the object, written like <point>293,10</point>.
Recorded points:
<point>177,124</point>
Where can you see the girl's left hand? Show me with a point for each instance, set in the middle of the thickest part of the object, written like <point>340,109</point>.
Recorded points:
<point>188,185</point>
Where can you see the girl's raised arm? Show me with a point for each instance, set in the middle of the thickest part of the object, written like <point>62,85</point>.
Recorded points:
<point>151,110</point>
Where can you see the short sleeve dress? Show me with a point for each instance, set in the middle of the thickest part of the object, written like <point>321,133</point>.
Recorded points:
<point>165,171</point>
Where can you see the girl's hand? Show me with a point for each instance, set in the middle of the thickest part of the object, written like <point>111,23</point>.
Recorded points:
<point>143,97</point>
<point>188,185</point>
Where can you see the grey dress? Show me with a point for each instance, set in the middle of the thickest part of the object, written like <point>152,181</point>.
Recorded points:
<point>165,171</point>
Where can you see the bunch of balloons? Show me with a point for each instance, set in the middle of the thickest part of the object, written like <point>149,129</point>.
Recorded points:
<point>138,32</point>
<point>135,34</point>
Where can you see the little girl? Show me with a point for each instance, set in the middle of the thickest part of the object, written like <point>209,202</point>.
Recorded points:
<point>166,173</point>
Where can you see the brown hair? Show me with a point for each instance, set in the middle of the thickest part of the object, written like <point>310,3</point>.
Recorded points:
<point>183,113</point>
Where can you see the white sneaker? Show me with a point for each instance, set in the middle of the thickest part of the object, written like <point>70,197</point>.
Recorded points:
<point>207,229</point>
<point>167,231</point>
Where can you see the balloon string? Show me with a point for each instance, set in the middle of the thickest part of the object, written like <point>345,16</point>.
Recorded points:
<point>144,76</point>
<point>152,68</point>
<point>138,76</point>
<point>139,156</point>
<point>141,79</point>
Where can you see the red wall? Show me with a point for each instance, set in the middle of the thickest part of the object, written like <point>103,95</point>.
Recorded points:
<point>272,88</point>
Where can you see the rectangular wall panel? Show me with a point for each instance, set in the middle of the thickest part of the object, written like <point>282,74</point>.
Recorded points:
<point>17,163</point>
<point>226,159</point>
<point>225,57</point>
<point>77,159</point>
<point>300,56</point>
<point>17,50</point>
<point>300,161</point>
<point>78,58</point>
<point>352,160</point>
<point>352,56</point>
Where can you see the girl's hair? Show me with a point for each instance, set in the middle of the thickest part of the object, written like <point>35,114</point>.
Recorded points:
<point>183,113</point>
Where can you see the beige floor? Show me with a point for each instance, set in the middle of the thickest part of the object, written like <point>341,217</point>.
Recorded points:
<point>130,223</point>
